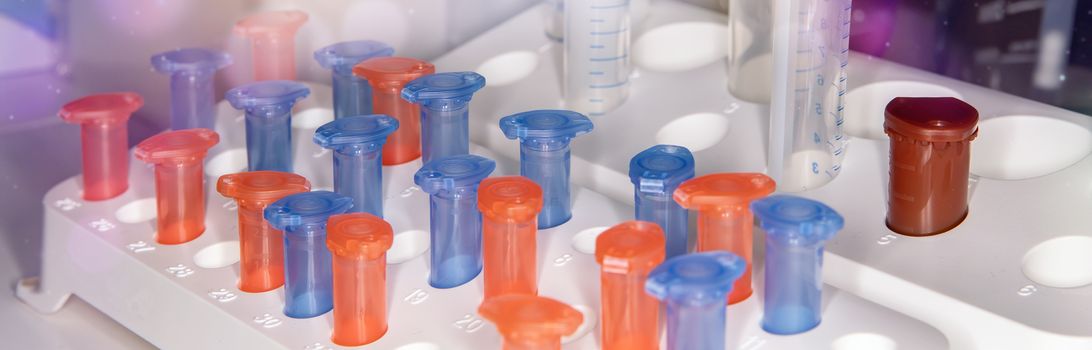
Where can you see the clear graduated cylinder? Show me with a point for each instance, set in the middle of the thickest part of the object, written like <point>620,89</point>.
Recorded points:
<point>104,131</point>
<point>273,42</point>
<point>357,142</point>
<point>796,229</point>
<point>191,71</point>
<point>544,137</point>
<point>445,111</point>
<point>596,55</point>
<point>352,94</point>
<point>694,287</point>
<point>455,221</point>
<point>656,172</point>
<point>268,106</point>
<point>811,52</point>
<point>308,274</point>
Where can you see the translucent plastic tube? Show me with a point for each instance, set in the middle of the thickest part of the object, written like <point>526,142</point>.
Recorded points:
<point>750,66</point>
<point>179,158</point>
<point>308,274</point>
<point>192,72</point>
<point>387,76</point>
<point>627,253</point>
<point>456,222</point>
<point>444,100</point>
<point>694,287</point>
<point>796,229</point>
<point>656,173</point>
<point>272,42</point>
<point>544,137</point>
<point>268,106</point>
<point>104,141</point>
<point>261,247</point>
<point>357,142</point>
<point>596,59</point>
<point>509,206</point>
<point>528,322</point>
<point>359,243</point>
<point>352,94</point>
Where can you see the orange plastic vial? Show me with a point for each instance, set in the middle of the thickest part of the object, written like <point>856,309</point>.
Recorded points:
<point>359,243</point>
<point>261,247</point>
<point>509,206</point>
<point>387,76</point>
<point>272,42</point>
<point>104,136</point>
<point>179,158</point>
<point>725,221</point>
<point>528,322</point>
<point>627,253</point>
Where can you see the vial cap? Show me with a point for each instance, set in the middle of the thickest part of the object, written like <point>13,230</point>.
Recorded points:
<point>931,119</point>
<point>661,168</point>
<point>261,185</point>
<point>177,145</point>
<point>190,60</point>
<point>796,220</point>
<point>267,93</point>
<point>344,55</point>
<point>355,130</point>
<point>113,107</point>
<point>451,173</point>
<point>306,208</point>
<point>514,198</point>
<point>530,318</point>
<point>697,278</point>
<point>452,85</point>
<point>545,123</point>
<point>393,70</point>
<point>723,190</point>
<point>630,247</point>
<point>272,23</point>
<point>359,235</point>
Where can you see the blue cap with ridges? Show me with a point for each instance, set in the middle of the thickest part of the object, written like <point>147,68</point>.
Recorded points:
<point>355,130</point>
<point>190,60</point>
<point>306,208</point>
<point>545,123</point>
<point>343,56</point>
<point>450,173</point>
<point>267,93</point>
<point>660,168</point>
<point>450,85</point>
<point>796,220</point>
<point>697,278</point>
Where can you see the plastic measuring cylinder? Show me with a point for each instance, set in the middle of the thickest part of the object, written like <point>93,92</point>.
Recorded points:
<point>725,221</point>
<point>352,94</point>
<point>509,206</point>
<point>544,137</point>
<point>261,247</point>
<point>179,158</point>
<point>359,243</point>
<point>596,55</point>
<point>796,229</point>
<point>104,133</point>
<point>268,106</point>
<point>930,163</point>
<point>810,55</point>
<point>387,76</point>
<point>357,142</point>
<point>656,173</point>
<point>192,71</point>
<point>455,221</point>
<point>693,286</point>
<point>444,100</point>
<point>528,322</point>
<point>272,42</point>
<point>308,274</point>
<point>627,253</point>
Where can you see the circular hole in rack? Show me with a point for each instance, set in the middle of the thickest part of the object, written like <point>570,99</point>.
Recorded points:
<point>312,118</point>
<point>682,46</point>
<point>1060,262</point>
<point>217,255</point>
<point>407,245</point>
<point>508,67</point>
<point>584,241</point>
<point>864,117</point>
<point>140,210</point>
<point>227,162</point>
<point>419,346</point>
<point>590,319</point>
<point>863,341</point>
<point>695,131</point>
<point>1018,147</point>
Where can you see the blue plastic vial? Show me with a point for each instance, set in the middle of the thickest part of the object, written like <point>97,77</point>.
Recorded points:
<point>308,275</point>
<point>544,137</point>
<point>445,111</point>
<point>695,289</point>
<point>456,222</point>
<point>268,105</point>
<point>352,94</point>
<point>656,173</point>
<point>192,71</point>
<point>796,229</point>
<point>357,143</point>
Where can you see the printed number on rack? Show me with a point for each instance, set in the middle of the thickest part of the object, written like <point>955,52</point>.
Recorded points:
<point>230,205</point>
<point>753,343</point>
<point>267,321</point>
<point>416,297</point>
<point>887,239</point>
<point>317,346</point>
<point>563,259</point>
<point>179,270</point>
<point>140,247</point>
<point>222,295</point>
<point>102,225</point>
<point>67,204</point>
<point>1027,290</point>
<point>469,323</point>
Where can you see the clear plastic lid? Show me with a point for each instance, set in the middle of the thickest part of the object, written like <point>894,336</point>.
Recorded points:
<point>344,55</point>
<point>178,145</point>
<point>510,198</point>
<point>190,60</point>
<point>545,123</point>
<point>796,220</point>
<point>696,279</point>
<point>355,130</point>
<point>661,168</point>
<point>450,85</point>
<point>359,235</point>
<point>267,93</point>
<point>629,247</point>
<point>261,185</point>
<point>306,208</point>
<point>931,119</point>
<point>450,173</point>
<point>102,108</point>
